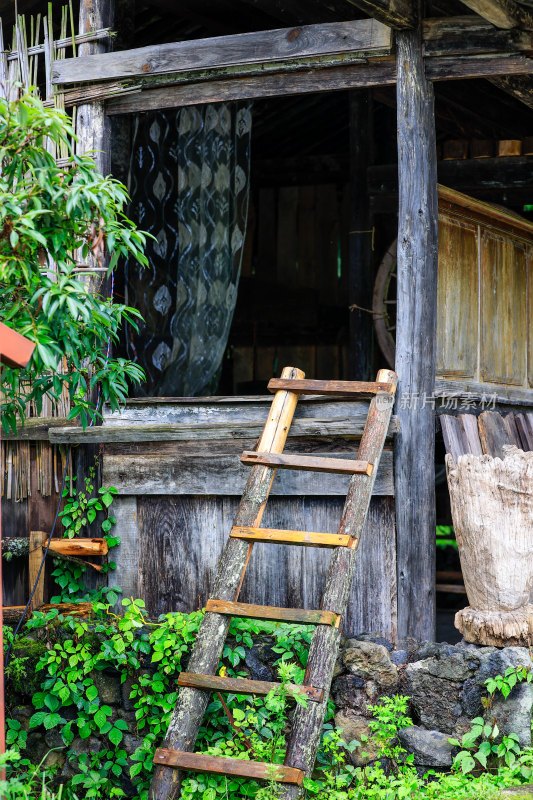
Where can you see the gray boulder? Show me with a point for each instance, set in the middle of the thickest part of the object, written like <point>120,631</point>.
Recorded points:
<point>370,662</point>
<point>435,700</point>
<point>430,748</point>
<point>354,727</point>
<point>108,686</point>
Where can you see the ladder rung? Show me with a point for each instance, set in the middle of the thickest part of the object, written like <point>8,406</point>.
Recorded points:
<point>242,685</point>
<point>306,538</point>
<point>335,388</point>
<point>343,466</point>
<point>273,612</point>
<point>200,762</point>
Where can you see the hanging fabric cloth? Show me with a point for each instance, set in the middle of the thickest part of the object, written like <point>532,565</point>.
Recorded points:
<point>189,183</point>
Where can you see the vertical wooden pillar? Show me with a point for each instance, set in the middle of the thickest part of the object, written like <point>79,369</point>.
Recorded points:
<point>360,280</point>
<point>415,341</point>
<point>93,126</point>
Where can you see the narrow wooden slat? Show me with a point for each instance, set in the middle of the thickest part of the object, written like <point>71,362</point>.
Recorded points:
<point>306,617</point>
<point>471,433</point>
<point>452,433</point>
<point>306,538</point>
<point>452,588</point>
<point>238,767</point>
<point>333,388</point>
<point>343,466</point>
<point>492,433</point>
<point>511,428</point>
<point>529,422</point>
<point>523,430</point>
<point>242,685</point>
<point>449,575</point>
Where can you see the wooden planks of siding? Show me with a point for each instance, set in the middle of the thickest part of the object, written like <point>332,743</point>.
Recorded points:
<point>457,292</point>
<point>167,472</point>
<point>503,304</point>
<point>183,536</point>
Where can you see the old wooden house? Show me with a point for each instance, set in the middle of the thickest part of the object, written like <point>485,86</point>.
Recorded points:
<point>336,185</point>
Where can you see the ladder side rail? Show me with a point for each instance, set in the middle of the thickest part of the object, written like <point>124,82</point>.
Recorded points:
<point>307,722</point>
<point>192,703</point>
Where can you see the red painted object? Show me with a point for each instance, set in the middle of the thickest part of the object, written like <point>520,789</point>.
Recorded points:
<point>15,351</point>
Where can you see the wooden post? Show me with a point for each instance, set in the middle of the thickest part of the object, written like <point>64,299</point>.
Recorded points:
<point>35,556</point>
<point>360,278</point>
<point>92,124</point>
<point>415,342</point>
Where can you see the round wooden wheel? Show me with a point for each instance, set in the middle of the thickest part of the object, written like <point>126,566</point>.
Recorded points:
<point>384,304</point>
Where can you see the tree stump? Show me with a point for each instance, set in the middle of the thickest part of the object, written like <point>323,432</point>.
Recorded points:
<point>492,510</point>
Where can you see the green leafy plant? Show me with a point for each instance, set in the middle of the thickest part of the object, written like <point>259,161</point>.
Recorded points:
<point>32,781</point>
<point>51,217</point>
<point>81,510</point>
<point>505,683</point>
<point>446,537</point>
<point>482,745</point>
<point>149,656</point>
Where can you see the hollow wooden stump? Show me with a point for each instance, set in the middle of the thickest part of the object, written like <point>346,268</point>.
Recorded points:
<point>492,510</point>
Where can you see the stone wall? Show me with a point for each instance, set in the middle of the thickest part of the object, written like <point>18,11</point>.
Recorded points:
<point>445,683</point>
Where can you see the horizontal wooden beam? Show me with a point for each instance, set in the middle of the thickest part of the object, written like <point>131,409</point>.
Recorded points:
<point>175,432</point>
<point>364,37</point>
<point>176,473</point>
<point>473,391</point>
<point>395,13</point>
<point>468,35</point>
<point>502,13</point>
<point>238,767</point>
<point>477,174</point>
<point>249,610</point>
<point>376,72</point>
<point>37,429</point>
<point>219,683</point>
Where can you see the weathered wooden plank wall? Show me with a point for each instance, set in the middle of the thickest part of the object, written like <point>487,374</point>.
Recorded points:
<point>484,325</point>
<point>181,539</point>
<point>178,499</point>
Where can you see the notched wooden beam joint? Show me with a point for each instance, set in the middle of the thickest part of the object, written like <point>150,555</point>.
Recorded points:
<point>502,13</point>
<point>399,14</point>
<point>518,86</point>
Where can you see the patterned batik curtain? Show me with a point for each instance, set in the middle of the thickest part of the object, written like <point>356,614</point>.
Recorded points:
<point>189,183</point>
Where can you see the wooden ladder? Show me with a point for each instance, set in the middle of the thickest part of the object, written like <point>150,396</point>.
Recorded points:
<point>200,680</point>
